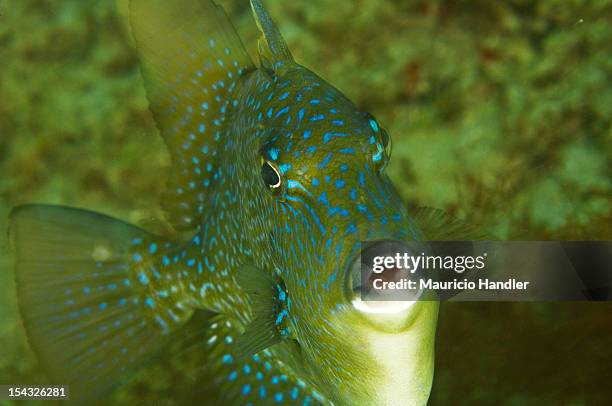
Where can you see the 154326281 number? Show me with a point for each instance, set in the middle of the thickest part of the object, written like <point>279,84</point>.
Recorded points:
<point>33,392</point>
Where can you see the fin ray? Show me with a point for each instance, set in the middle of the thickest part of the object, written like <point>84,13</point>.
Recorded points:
<point>273,50</point>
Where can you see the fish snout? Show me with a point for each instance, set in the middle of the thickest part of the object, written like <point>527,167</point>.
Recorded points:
<point>382,283</point>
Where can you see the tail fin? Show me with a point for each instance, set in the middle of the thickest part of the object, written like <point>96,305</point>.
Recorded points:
<point>86,310</point>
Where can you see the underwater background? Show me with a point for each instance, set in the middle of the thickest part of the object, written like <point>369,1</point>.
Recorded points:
<point>500,113</point>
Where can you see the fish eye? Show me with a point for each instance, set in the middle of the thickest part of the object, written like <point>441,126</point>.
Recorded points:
<point>271,175</point>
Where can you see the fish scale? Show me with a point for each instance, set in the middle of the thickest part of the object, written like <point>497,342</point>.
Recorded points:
<point>276,179</point>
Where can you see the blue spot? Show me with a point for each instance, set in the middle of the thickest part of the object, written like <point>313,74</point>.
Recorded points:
<point>102,306</point>
<point>143,278</point>
<point>374,125</point>
<point>273,153</point>
<point>282,111</point>
<point>317,117</point>
<point>325,161</point>
<point>284,168</point>
<point>247,369</point>
<point>86,290</point>
<point>349,151</point>
<point>278,397</point>
<point>153,248</point>
<point>328,136</point>
<point>149,302</point>
<point>377,156</point>
<point>137,257</point>
<point>246,389</point>
<point>232,376</point>
<point>262,392</point>
<point>307,134</point>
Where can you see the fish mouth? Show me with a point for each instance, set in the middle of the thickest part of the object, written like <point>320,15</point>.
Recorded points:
<point>368,289</point>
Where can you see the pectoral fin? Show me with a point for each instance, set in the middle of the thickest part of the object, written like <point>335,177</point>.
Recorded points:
<point>271,306</point>
<point>438,225</point>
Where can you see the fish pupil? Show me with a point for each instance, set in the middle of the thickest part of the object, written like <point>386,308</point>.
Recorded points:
<point>270,175</point>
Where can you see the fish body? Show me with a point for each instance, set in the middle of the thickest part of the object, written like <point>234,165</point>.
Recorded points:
<point>277,178</point>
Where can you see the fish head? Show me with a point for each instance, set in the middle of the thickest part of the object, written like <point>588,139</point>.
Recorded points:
<point>320,165</point>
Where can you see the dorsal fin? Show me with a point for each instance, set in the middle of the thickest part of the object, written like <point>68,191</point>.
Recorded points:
<point>191,59</point>
<point>273,50</point>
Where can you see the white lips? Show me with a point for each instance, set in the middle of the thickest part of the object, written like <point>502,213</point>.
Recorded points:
<point>382,307</point>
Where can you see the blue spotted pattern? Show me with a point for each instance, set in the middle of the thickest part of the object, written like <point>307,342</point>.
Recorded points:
<point>226,122</point>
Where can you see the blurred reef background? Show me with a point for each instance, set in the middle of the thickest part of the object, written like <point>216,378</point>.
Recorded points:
<point>500,113</point>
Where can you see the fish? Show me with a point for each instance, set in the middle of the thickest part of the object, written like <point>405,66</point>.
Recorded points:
<point>276,180</point>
